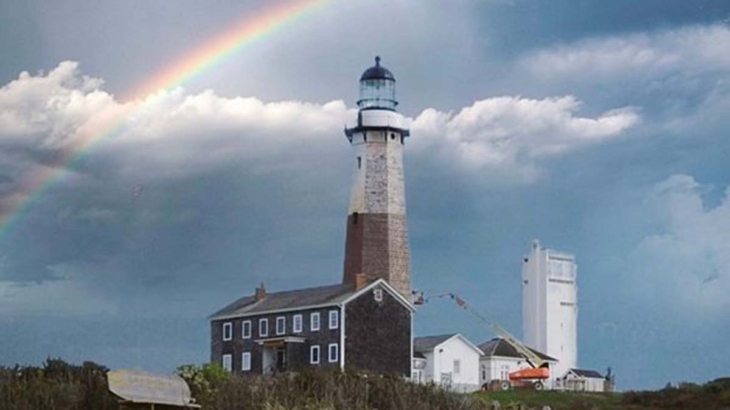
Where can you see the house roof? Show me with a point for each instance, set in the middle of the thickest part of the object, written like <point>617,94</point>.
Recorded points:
<point>500,347</point>
<point>586,373</point>
<point>290,299</point>
<point>300,299</point>
<point>428,343</point>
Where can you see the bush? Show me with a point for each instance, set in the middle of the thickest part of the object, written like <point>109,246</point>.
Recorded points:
<point>56,385</point>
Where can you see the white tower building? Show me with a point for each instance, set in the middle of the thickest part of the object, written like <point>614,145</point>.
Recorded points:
<point>377,237</point>
<point>549,306</point>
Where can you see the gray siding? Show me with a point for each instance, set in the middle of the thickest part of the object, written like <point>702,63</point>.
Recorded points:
<point>297,353</point>
<point>378,335</point>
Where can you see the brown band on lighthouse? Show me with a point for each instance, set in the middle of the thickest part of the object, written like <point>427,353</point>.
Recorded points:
<point>376,245</point>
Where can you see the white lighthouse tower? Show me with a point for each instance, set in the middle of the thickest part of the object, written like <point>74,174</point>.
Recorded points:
<point>550,307</point>
<point>377,238</point>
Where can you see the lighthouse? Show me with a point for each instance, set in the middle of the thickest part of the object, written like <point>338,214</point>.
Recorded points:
<point>376,244</point>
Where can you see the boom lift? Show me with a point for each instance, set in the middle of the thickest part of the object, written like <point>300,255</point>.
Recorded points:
<point>534,377</point>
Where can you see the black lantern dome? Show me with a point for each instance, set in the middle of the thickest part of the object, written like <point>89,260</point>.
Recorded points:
<point>377,88</point>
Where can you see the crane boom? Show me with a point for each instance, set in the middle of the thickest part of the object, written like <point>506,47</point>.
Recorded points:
<point>532,358</point>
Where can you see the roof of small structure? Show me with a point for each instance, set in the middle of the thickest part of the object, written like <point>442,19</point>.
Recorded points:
<point>427,343</point>
<point>500,347</point>
<point>139,387</point>
<point>377,72</point>
<point>586,373</point>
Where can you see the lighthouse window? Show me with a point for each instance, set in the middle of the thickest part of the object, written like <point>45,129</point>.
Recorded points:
<point>392,136</point>
<point>359,162</point>
<point>354,218</point>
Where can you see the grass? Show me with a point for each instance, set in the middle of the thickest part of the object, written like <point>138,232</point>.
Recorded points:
<point>556,400</point>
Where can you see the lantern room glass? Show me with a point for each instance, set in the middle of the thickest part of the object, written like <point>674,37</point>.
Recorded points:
<point>377,93</point>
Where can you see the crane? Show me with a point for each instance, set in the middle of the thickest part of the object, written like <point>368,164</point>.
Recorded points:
<point>534,376</point>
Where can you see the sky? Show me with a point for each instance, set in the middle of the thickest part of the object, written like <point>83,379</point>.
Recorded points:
<point>599,128</point>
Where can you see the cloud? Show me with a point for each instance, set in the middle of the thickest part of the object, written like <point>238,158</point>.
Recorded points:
<point>689,51</point>
<point>171,133</point>
<point>514,133</point>
<point>687,257</point>
<point>214,172</point>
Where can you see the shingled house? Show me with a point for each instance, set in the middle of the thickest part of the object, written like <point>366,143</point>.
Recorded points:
<point>364,326</point>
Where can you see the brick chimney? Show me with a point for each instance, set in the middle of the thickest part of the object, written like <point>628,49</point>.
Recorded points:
<point>260,293</point>
<point>360,280</point>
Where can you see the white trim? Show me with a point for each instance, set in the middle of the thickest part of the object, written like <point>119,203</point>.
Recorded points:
<point>465,340</point>
<point>385,286</point>
<point>243,329</point>
<point>311,354</point>
<point>411,374</point>
<point>342,337</point>
<point>336,321</point>
<point>311,322</point>
<point>294,323</point>
<point>261,323</point>
<point>285,339</point>
<point>329,353</point>
<point>227,366</point>
<point>243,361</point>
<point>283,329</point>
<point>229,326</point>
<point>517,359</point>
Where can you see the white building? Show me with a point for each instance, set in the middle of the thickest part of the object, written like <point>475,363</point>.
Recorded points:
<point>500,359</point>
<point>549,306</point>
<point>584,380</point>
<point>448,360</point>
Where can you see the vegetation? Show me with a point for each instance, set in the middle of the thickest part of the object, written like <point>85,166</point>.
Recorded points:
<point>57,385</point>
<point>330,390</point>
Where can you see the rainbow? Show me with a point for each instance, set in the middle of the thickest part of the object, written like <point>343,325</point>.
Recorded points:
<point>106,125</point>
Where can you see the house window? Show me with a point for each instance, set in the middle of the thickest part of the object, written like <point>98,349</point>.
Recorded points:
<point>334,350</point>
<point>280,325</point>
<point>314,322</point>
<point>263,327</point>
<point>227,362</point>
<point>378,295</point>
<point>297,323</point>
<point>484,373</point>
<point>314,355</point>
<point>457,366</point>
<point>227,331</point>
<point>334,321</point>
<point>246,361</point>
<point>246,329</point>
<point>359,162</point>
<point>504,374</point>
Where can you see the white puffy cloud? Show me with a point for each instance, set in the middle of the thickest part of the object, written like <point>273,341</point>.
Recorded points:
<point>687,51</point>
<point>174,133</point>
<point>687,258</point>
<point>514,132</point>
